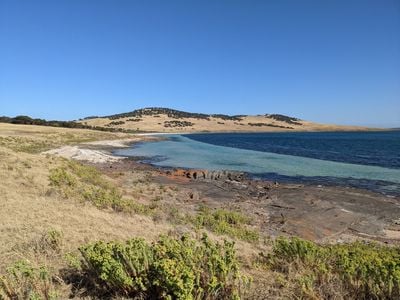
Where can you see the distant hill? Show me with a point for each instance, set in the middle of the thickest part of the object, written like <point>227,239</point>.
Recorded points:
<point>158,119</point>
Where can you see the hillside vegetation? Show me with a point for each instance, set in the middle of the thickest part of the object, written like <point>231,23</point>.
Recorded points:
<point>158,119</point>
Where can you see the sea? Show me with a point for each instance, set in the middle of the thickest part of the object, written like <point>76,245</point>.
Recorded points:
<point>367,160</point>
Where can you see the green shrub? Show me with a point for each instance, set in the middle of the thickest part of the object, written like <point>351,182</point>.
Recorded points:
<point>23,281</point>
<point>227,222</point>
<point>168,269</point>
<point>121,267</point>
<point>362,270</point>
<point>103,197</point>
<point>88,174</point>
<point>75,180</point>
<point>61,177</point>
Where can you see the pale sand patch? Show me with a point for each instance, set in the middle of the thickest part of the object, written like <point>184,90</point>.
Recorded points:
<point>83,151</point>
<point>122,143</point>
<point>77,153</point>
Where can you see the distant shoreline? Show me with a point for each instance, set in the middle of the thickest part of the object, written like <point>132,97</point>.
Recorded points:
<point>283,131</point>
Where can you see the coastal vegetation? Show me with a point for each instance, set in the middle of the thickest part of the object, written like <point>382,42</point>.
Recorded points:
<point>85,183</point>
<point>170,268</point>
<point>356,270</point>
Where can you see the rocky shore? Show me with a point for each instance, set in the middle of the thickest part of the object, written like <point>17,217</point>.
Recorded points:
<point>319,213</point>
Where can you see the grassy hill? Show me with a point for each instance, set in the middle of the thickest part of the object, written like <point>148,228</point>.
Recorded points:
<point>158,119</point>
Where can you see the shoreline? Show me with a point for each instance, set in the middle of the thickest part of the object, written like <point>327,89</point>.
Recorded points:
<point>378,184</point>
<point>271,131</point>
<point>326,213</point>
<point>104,151</point>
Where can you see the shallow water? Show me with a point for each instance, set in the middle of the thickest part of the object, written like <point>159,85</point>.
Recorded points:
<point>184,152</point>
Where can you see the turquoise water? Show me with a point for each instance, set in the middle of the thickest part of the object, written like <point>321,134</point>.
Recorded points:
<point>180,151</point>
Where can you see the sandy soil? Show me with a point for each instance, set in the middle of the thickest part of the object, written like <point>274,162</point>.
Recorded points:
<point>97,151</point>
<point>77,153</point>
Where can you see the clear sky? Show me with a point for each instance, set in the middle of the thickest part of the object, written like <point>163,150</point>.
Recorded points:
<point>327,61</point>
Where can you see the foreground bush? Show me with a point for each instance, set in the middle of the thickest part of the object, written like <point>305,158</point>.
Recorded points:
<point>168,269</point>
<point>24,281</point>
<point>353,271</point>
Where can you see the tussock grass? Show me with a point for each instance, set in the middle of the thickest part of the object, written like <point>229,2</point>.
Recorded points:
<point>28,145</point>
<point>50,243</point>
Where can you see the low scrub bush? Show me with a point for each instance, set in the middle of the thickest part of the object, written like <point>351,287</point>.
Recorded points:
<point>61,177</point>
<point>75,180</point>
<point>227,222</point>
<point>358,270</point>
<point>24,281</point>
<point>167,269</point>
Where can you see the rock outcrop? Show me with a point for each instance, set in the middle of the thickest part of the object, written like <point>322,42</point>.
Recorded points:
<point>208,175</point>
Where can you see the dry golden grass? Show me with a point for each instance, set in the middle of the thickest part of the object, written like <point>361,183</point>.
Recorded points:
<point>35,139</point>
<point>29,207</point>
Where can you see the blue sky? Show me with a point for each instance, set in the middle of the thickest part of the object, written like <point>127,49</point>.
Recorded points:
<point>327,61</point>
